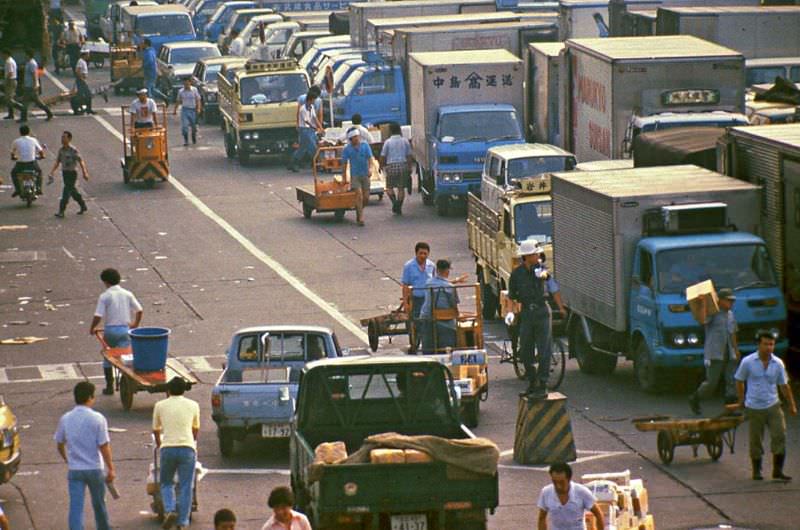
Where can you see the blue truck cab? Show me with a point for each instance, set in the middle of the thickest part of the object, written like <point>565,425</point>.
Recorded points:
<point>221,17</point>
<point>377,91</point>
<point>257,390</point>
<point>202,12</point>
<point>160,24</point>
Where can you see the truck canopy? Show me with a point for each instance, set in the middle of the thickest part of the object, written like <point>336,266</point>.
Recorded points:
<point>685,145</point>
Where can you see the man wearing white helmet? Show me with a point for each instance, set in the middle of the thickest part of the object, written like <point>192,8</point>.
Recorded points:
<point>529,285</point>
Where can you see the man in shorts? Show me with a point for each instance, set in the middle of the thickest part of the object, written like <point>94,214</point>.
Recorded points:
<point>358,156</point>
<point>396,162</point>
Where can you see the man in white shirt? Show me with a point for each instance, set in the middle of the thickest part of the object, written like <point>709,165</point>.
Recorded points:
<point>565,503</point>
<point>10,84</point>
<point>308,125</point>
<point>74,40</point>
<point>83,96</point>
<point>366,136</point>
<point>121,311</point>
<point>25,150</point>
<point>143,111</point>
<point>396,161</point>
<point>281,500</point>
<point>191,104</point>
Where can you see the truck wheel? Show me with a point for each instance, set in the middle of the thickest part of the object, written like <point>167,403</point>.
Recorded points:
<point>590,361</point>
<point>442,206</point>
<point>471,413</point>
<point>647,375</point>
<point>226,441</point>
<point>489,299</point>
<point>230,148</point>
<point>244,157</point>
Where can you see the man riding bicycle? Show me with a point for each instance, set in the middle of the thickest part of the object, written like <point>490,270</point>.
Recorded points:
<point>25,150</point>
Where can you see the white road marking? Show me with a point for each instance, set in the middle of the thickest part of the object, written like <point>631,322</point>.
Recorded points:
<point>3,377</point>
<point>68,253</point>
<point>58,372</point>
<point>259,254</point>
<point>591,455</point>
<point>56,81</point>
<point>284,472</point>
<point>198,364</point>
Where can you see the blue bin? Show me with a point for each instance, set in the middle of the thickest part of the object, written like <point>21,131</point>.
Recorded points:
<point>149,347</point>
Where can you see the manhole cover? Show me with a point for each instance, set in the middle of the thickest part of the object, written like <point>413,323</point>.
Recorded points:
<point>21,256</point>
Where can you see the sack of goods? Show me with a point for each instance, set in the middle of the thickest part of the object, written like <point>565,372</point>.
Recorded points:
<point>622,500</point>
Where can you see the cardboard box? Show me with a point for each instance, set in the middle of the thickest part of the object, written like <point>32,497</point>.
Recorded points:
<point>604,491</point>
<point>621,478</point>
<point>330,452</point>
<point>387,456</point>
<point>699,291</point>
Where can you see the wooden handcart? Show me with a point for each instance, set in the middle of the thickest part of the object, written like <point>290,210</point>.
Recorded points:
<point>127,72</point>
<point>714,433</point>
<point>128,381</point>
<point>395,322</point>
<point>326,194</point>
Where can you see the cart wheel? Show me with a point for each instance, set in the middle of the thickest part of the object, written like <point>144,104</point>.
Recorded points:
<point>380,196</point>
<point>373,334</point>
<point>338,215</point>
<point>442,206</point>
<point>126,393</point>
<point>666,446</point>
<point>714,447</point>
<point>519,367</point>
<point>471,413</point>
<point>230,148</point>
<point>158,508</point>
<point>307,210</point>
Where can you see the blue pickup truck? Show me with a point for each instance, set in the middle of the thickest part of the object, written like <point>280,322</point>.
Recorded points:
<point>257,390</point>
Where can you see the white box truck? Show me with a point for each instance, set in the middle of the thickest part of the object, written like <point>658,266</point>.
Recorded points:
<point>542,92</point>
<point>461,104</point>
<point>618,9</point>
<point>621,86</point>
<point>582,19</point>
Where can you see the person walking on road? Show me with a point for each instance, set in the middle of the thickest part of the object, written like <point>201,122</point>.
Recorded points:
<point>191,105</point>
<point>397,163</point>
<point>68,158</point>
<point>357,157</point>
<point>26,150</point>
<point>224,519</point>
<point>720,350</point>
<point>416,273</point>
<point>55,25</point>
<point>308,125</point>
<point>176,422</point>
<point>73,39</point>
<point>143,111</point>
<point>83,95</point>
<point>281,500</point>
<point>121,312</point>
<point>565,502</point>
<point>529,285</point>
<point>764,374</point>
<point>10,85</point>
<point>31,89</point>
<point>83,442</point>
<point>150,71</point>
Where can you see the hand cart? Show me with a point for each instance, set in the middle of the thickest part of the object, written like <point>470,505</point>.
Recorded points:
<point>326,194</point>
<point>127,381</point>
<point>714,433</point>
<point>126,70</point>
<point>395,322</point>
<point>154,486</point>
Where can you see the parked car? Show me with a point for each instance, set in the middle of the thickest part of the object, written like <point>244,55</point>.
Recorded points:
<point>205,79</point>
<point>175,61</point>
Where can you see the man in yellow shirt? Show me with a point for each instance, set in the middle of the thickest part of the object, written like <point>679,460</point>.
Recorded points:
<point>176,422</point>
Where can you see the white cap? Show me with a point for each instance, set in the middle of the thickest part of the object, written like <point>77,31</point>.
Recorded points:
<point>352,133</point>
<point>142,91</point>
<point>528,247</point>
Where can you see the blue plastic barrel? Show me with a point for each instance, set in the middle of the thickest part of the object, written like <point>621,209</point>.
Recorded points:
<point>149,347</point>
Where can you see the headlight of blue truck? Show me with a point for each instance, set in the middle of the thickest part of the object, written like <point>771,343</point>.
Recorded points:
<point>451,177</point>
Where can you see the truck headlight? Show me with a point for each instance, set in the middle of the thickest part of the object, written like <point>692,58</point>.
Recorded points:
<point>775,333</point>
<point>254,136</point>
<point>693,339</point>
<point>246,135</point>
<point>678,339</point>
<point>451,177</point>
<point>211,96</point>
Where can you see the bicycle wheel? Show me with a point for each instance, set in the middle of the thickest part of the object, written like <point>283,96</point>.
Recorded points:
<point>558,365</point>
<point>519,366</point>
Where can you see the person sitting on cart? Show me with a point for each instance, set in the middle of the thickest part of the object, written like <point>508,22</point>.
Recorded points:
<point>143,111</point>
<point>440,295</point>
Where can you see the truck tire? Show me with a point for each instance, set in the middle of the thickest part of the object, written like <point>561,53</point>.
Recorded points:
<point>230,148</point>
<point>442,206</point>
<point>590,361</point>
<point>471,413</point>
<point>489,299</point>
<point>648,376</point>
<point>227,441</point>
<point>244,157</point>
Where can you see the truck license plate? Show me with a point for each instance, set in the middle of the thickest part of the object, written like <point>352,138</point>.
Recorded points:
<point>276,430</point>
<point>409,522</point>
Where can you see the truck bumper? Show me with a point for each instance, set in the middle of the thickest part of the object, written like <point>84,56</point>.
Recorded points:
<point>267,141</point>
<point>458,191</point>
<point>693,357</point>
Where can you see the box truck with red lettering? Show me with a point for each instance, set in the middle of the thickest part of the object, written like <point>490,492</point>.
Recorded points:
<point>619,87</point>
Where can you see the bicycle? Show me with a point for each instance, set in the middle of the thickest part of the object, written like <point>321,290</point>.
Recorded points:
<point>558,359</point>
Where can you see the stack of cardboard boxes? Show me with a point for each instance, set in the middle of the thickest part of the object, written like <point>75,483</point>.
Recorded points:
<point>622,500</point>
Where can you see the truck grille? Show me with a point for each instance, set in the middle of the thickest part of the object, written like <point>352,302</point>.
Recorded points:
<point>472,176</point>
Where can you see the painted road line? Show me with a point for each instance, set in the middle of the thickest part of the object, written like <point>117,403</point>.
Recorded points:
<point>588,457</point>
<point>198,364</point>
<point>259,254</point>
<point>3,376</point>
<point>246,471</point>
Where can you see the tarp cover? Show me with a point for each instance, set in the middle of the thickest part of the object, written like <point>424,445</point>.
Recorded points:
<point>682,145</point>
<point>473,455</point>
<point>339,23</point>
<point>783,91</point>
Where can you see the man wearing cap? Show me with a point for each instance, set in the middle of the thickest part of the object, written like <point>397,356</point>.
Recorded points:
<point>529,285</point>
<point>720,349</point>
<point>358,156</point>
<point>143,111</point>
<point>764,374</point>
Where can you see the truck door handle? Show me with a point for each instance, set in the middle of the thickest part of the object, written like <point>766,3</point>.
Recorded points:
<point>395,108</point>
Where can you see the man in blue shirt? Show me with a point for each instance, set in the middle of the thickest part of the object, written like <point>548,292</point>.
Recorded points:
<point>358,156</point>
<point>439,331</point>
<point>83,442</point>
<point>416,273</point>
<point>150,71</point>
<point>764,374</point>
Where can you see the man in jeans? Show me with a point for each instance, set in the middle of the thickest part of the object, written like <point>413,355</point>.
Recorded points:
<point>176,422</point>
<point>83,442</point>
<point>720,350</point>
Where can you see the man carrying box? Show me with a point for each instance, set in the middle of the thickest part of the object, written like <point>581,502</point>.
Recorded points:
<point>720,349</point>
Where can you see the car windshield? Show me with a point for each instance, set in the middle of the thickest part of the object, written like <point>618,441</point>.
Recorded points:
<point>764,74</point>
<point>733,266</point>
<point>273,88</point>
<point>494,125</point>
<point>174,24</point>
<point>536,165</point>
<point>211,73</point>
<point>192,55</point>
<point>534,220</point>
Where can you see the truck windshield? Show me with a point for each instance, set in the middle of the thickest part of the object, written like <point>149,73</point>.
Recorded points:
<point>192,55</point>
<point>764,74</point>
<point>533,220</point>
<point>734,266</point>
<point>494,125</point>
<point>171,24</point>
<point>273,88</point>
<point>211,73</point>
<point>536,165</point>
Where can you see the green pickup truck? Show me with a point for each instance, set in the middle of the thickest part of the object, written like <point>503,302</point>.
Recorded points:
<point>351,398</point>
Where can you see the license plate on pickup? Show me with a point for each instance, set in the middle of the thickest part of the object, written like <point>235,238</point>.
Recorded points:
<point>409,522</point>
<point>276,430</point>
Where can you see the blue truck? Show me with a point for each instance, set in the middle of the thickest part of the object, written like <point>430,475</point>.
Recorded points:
<point>257,390</point>
<point>627,244</point>
<point>220,18</point>
<point>464,103</point>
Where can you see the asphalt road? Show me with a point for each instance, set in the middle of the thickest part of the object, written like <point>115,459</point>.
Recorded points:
<point>221,247</point>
